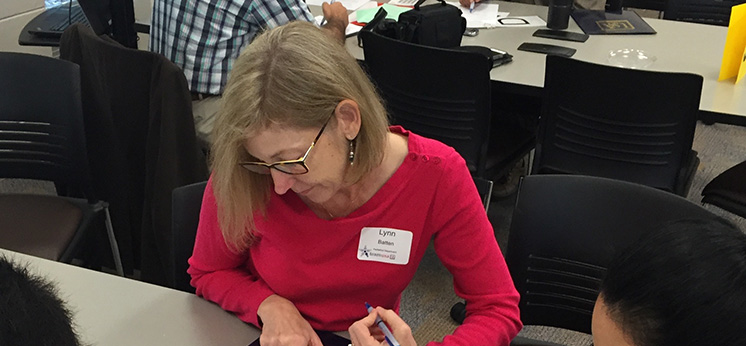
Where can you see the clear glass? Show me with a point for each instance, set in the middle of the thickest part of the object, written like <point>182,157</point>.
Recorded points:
<point>631,58</point>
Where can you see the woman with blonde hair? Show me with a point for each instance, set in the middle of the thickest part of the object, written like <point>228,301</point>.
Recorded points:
<point>315,205</point>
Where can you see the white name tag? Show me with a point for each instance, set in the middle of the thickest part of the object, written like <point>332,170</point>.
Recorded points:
<point>385,245</point>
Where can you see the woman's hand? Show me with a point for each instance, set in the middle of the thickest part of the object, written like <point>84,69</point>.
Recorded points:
<point>283,324</point>
<point>365,332</point>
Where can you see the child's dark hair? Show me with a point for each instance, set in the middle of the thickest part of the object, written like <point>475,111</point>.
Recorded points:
<point>31,313</point>
<point>684,284</point>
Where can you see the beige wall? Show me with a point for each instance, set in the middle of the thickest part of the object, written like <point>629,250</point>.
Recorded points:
<point>14,14</point>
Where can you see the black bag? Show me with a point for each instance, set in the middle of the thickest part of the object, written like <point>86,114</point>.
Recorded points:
<point>438,25</point>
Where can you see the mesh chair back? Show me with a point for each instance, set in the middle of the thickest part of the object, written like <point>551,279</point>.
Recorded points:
<point>565,230</point>
<point>618,123</point>
<point>437,93</point>
<point>41,121</point>
<point>42,137</point>
<point>186,204</point>
<point>716,12</point>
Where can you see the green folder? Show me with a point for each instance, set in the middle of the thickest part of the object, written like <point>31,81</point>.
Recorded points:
<point>392,12</point>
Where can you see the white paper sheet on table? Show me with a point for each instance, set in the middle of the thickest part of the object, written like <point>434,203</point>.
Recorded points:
<point>484,15</point>
<point>493,24</point>
<point>520,21</point>
<point>350,5</point>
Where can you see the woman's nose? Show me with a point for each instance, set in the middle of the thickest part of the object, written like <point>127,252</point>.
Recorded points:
<point>283,182</point>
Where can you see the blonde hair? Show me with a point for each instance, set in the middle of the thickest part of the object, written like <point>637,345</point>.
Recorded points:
<point>293,75</point>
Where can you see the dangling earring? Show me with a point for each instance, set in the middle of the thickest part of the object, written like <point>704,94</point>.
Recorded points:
<point>353,143</point>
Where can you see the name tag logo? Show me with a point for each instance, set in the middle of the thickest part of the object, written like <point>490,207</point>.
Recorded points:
<point>386,245</point>
<point>615,25</point>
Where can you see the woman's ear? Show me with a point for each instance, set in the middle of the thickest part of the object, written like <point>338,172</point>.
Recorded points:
<point>348,118</point>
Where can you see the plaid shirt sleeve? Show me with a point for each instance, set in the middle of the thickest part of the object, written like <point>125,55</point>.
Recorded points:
<point>204,37</point>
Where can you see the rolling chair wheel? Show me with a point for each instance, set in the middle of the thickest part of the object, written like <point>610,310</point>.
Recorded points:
<point>458,312</point>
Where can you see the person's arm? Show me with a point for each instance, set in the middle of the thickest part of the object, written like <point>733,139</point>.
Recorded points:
<point>336,19</point>
<point>273,13</point>
<point>226,278</point>
<point>365,332</point>
<point>466,245</point>
<point>219,274</point>
<point>268,14</point>
<point>284,325</point>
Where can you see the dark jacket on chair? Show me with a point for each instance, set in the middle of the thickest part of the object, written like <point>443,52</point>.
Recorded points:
<point>141,141</point>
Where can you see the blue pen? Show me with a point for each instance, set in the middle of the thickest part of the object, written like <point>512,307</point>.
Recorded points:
<point>471,6</point>
<point>386,332</point>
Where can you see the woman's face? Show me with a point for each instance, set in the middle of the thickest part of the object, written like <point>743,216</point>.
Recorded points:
<point>605,331</point>
<point>326,162</point>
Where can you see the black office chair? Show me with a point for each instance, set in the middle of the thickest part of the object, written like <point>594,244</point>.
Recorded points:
<point>728,190</point>
<point>42,138</point>
<point>445,95</point>
<point>618,123</point>
<point>715,12</point>
<point>484,187</point>
<point>565,230</point>
<point>186,204</point>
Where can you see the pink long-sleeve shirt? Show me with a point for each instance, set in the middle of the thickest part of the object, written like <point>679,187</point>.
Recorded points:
<point>322,267</point>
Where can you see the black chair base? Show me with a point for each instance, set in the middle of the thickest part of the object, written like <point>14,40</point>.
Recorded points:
<point>728,190</point>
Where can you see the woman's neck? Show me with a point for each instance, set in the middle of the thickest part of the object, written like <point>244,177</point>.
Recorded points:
<point>352,197</point>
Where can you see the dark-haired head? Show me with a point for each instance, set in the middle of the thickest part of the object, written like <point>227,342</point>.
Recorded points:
<point>684,284</point>
<point>31,313</point>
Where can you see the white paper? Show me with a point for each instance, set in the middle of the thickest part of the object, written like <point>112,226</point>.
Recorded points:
<point>403,2</point>
<point>520,21</point>
<point>494,24</point>
<point>350,5</point>
<point>484,15</point>
<point>351,28</point>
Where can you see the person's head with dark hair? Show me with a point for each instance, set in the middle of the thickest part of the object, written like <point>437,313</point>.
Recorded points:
<point>31,313</point>
<point>684,284</point>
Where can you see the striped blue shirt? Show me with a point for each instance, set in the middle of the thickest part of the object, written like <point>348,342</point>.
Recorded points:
<point>204,37</point>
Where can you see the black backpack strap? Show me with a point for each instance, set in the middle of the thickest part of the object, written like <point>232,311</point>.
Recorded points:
<point>370,26</point>
<point>377,19</point>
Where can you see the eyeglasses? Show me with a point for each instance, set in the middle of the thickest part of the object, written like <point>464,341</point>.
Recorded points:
<point>293,167</point>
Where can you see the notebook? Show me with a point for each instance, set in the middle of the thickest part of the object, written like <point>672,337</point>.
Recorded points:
<point>609,23</point>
